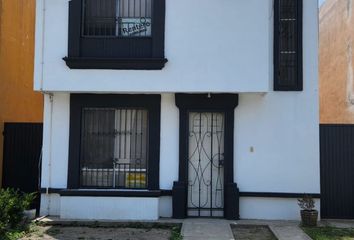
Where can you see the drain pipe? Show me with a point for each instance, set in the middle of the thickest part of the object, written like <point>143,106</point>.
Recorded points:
<point>50,95</point>
<point>49,179</point>
<point>43,44</point>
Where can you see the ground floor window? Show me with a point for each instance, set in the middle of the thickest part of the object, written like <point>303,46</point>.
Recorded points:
<point>114,147</point>
<point>114,141</point>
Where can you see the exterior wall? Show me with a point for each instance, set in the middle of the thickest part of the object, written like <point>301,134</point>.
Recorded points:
<point>18,101</point>
<point>336,62</point>
<point>276,133</point>
<point>284,157</point>
<point>106,208</point>
<point>197,46</point>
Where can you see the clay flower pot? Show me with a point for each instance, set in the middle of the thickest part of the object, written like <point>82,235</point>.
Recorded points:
<point>309,218</point>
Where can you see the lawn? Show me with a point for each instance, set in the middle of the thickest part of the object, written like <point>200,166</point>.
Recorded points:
<point>330,233</point>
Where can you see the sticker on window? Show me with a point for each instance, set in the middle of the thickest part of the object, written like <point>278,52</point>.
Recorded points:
<point>135,27</point>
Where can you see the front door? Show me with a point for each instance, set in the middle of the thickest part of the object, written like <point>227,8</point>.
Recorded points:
<point>206,164</point>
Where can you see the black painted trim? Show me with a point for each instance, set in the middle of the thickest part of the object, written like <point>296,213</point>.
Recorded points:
<point>105,192</point>
<point>167,192</point>
<point>225,103</point>
<point>336,125</point>
<point>298,86</point>
<point>278,195</point>
<point>153,50</point>
<point>151,102</point>
<point>116,63</point>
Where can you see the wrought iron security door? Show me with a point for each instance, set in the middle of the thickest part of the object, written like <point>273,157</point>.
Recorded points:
<point>206,164</point>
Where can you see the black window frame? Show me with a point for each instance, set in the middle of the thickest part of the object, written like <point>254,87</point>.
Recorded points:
<point>280,84</point>
<point>89,53</point>
<point>150,102</point>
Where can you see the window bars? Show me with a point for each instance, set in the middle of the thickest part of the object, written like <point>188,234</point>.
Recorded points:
<point>117,18</point>
<point>288,45</point>
<point>114,148</point>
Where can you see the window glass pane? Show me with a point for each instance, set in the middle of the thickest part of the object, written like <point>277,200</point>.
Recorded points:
<point>288,39</point>
<point>114,148</point>
<point>288,9</point>
<point>119,18</point>
<point>99,17</point>
<point>287,69</point>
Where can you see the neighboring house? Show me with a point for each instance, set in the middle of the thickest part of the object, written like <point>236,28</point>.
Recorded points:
<point>157,108</point>
<point>337,108</point>
<point>21,109</point>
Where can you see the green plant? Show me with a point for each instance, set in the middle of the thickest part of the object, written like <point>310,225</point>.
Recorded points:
<point>12,205</point>
<point>329,233</point>
<point>306,203</point>
<point>176,233</point>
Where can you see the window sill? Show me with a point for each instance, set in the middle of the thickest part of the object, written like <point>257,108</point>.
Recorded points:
<point>116,63</point>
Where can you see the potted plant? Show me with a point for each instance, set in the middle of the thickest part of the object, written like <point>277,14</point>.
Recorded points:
<point>309,215</point>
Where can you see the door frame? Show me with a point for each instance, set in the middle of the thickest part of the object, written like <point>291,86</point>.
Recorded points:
<point>225,103</point>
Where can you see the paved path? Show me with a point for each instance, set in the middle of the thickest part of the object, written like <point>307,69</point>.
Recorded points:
<point>217,229</point>
<point>290,232</point>
<point>206,229</point>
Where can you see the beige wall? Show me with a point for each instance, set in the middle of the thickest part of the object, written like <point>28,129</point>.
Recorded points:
<point>18,101</point>
<point>336,62</point>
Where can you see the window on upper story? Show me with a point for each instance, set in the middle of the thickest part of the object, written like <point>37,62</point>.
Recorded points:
<point>116,34</point>
<point>288,45</point>
<point>117,18</point>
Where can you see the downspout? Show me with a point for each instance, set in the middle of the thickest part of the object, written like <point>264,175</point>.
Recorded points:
<point>49,184</point>
<point>43,44</point>
<point>50,95</point>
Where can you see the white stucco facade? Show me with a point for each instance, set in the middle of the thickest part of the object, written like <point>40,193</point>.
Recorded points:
<point>276,142</point>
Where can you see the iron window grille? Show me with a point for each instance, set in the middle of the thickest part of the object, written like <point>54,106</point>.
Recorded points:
<point>114,141</point>
<point>117,18</point>
<point>116,34</point>
<point>288,45</point>
<point>114,148</point>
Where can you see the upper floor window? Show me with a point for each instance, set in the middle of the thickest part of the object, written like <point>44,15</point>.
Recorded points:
<point>116,34</point>
<point>288,45</point>
<point>117,18</point>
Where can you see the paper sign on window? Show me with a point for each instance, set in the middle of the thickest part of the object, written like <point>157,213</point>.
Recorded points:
<point>135,27</point>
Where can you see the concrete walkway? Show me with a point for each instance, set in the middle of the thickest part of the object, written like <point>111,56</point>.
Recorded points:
<point>218,229</point>
<point>208,229</point>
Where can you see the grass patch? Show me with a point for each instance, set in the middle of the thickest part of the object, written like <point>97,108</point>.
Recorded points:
<point>176,233</point>
<point>329,233</point>
<point>14,234</point>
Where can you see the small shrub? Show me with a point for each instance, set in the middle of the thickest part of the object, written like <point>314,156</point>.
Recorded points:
<point>306,203</point>
<point>12,205</point>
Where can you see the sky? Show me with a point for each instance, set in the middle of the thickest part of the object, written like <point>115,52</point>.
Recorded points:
<point>320,2</point>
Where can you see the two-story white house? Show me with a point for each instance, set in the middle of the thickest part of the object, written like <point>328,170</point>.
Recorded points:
<point>178,108</point>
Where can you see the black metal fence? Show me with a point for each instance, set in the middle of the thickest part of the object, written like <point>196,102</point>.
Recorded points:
<point>337,171</point>
<point>22,152</point>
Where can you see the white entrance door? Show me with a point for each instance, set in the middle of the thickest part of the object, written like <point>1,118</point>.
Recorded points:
<point>206,164</point>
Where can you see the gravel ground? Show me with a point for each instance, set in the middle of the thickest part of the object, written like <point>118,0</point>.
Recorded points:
<point>87,233</point>
<point>243,232</point>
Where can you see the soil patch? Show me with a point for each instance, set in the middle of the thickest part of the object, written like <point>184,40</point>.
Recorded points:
<point>248,232</point>
<point>97,233</point>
